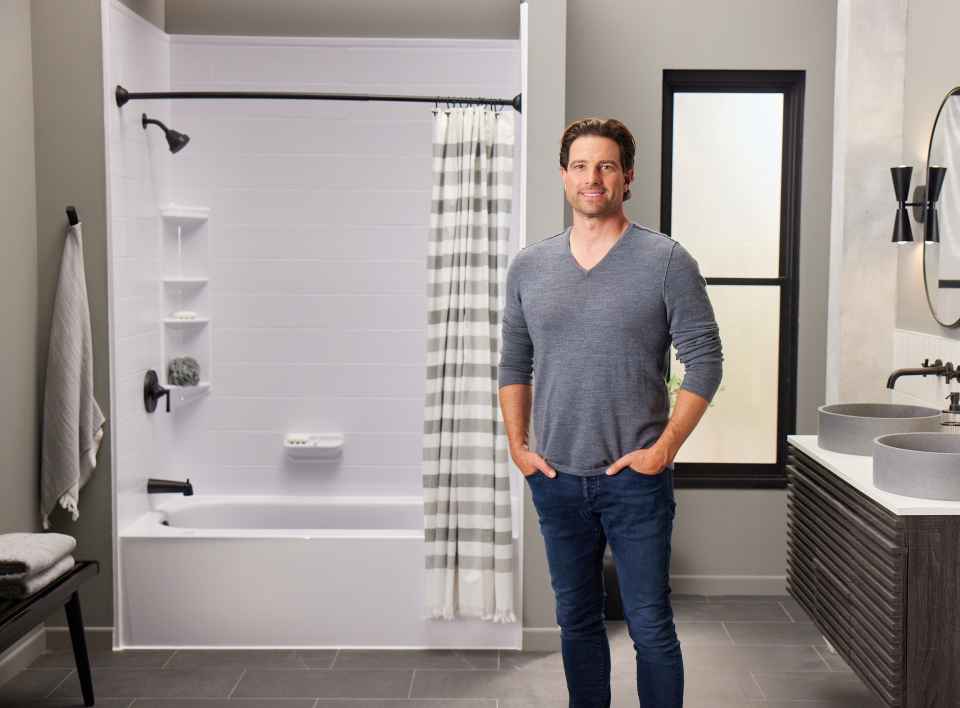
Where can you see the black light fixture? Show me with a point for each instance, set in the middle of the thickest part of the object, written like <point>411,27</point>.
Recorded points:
<point>176,141</point>
<point>902,233</point>
<point>931,228</point>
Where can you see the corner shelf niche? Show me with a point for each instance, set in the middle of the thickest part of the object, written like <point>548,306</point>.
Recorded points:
<point>185,285</point>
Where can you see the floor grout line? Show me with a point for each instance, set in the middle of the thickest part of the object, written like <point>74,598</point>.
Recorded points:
<point>758,686</point>
<point>821,657</point>
<point>72,672</point>
<point>335,657</point>
<point>169,659</point>
<point>410,692</point>
<point>724,625</point>
<point>788,613</point>
<point>237,683</point>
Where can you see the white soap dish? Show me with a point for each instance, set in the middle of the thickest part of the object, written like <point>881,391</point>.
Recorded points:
<point>313,446</point>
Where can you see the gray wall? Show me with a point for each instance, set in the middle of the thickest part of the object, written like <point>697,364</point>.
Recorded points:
<point>485,19</point>
<point>615,63</point>
<point>19,433</point>
<point>70,169</point>
<point>933,69</point>
<point>544,113</point>
<point>153,11</point>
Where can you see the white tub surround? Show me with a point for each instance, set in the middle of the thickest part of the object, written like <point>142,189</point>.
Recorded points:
<point>286,572</point>
<point>857,471</point>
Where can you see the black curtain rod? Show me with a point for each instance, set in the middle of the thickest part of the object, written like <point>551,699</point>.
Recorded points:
<point>123,96</point>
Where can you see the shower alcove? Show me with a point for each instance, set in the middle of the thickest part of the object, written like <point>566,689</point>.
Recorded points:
<point>297,233</point>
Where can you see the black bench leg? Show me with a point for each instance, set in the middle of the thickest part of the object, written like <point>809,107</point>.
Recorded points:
<point>75,621</point>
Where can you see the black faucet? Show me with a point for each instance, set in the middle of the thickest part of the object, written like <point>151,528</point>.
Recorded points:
<point>937,368</point>
<point>166,486</point>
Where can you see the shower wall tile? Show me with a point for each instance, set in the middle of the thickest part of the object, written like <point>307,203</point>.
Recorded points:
<point>318,229</point>
<point>141,181</point>
<point>910,349</point>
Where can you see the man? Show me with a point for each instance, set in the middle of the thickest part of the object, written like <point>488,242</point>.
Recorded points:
<point>592,311</point>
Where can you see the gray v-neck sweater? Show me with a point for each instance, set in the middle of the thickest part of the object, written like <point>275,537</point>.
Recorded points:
<point>598,342</point>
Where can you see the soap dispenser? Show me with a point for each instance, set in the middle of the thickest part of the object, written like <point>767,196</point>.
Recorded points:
<point>950,417</point>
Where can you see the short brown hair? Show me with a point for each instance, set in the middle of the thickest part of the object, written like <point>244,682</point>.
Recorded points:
<point>610,128</point>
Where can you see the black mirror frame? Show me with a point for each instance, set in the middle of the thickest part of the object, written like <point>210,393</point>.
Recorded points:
<point>926,285</point>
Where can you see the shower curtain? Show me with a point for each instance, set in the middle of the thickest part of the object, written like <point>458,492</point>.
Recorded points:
<point>467,526</point>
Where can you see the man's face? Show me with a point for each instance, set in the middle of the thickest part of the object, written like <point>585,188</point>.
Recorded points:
<point>594,181</point>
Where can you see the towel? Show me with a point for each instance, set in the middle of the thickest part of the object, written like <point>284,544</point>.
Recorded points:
<point>72,421</point>
<point>25,587</point>
<point>26,554</point>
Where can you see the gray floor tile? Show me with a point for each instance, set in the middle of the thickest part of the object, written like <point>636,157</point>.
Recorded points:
<point>532,660</point>
<point>324,683</point>
<point>126,659</point>
<point>415,659</point>
<point>521,703</point>
<point>753,658</point>
<point>489,684</point>
<point>64,702</point>
<point>688,598</point>
<point>33,683</point>
<point>235,659</point>
<point>730,612</point>
<point>721,685</point>
<point>223,703</point>
<point>709,703</point>
<point>812,686</point>
<point>155,683</point>
<point>747,598</point>
<point>317,658</point>
<point>834,661</point>
<point>403,703</point>
<point>774,633</point>
<point>795,611</point>
<point>702,634</point>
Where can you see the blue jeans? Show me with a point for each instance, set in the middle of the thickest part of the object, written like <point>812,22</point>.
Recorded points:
<point>634,512</point>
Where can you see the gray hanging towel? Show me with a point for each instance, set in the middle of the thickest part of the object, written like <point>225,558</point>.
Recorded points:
<point>72,421</point>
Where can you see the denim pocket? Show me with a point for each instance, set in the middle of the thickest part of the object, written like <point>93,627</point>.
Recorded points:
<point>534,474</point>
<point>658,475</point>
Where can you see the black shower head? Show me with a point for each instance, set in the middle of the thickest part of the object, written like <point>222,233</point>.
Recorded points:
<point>176,141</point>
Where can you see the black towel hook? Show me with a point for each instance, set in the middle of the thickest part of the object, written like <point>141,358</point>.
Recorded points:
<point>72,216</point>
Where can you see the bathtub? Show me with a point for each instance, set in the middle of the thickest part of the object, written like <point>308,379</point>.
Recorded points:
<point>285,572</point>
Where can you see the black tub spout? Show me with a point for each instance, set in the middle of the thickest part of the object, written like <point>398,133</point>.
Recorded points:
<point>167,486</point>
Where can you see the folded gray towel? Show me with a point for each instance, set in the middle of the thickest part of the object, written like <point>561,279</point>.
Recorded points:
<point>25,554</point>
<point>25,587</point>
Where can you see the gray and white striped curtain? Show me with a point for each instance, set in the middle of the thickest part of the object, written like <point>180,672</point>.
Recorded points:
<point>466,487</point>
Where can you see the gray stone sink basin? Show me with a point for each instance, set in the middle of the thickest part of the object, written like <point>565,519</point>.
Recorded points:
<point>924,465</point>
<point>850,428</point>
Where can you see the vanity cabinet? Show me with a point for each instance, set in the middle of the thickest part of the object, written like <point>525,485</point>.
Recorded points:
<point>883,588</point>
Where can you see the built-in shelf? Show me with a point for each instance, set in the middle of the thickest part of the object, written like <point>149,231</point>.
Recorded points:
<point>183,324</point>
<point>185,282</point>
<point>184,216</point>
<point>184,394</point>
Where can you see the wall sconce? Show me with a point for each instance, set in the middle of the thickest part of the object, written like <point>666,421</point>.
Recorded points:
<point>924,200</point>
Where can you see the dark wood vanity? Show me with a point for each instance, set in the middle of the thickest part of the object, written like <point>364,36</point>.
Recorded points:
<point>882,587</point>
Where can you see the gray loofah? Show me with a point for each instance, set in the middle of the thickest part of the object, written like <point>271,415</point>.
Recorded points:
<point>184,371</point>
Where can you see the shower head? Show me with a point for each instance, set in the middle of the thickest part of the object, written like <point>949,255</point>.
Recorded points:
<point>176,141</point>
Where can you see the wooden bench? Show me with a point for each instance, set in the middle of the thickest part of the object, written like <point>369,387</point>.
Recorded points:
<point>18,617</point>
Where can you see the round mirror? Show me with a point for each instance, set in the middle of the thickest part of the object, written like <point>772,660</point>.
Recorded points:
<point>941,223</point>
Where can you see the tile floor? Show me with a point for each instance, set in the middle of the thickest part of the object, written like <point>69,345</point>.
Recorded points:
<point>739,652</point>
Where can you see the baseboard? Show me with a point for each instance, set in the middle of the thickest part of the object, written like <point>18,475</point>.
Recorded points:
<point>541,639</point>
<point>728,584</point>
<point>22,654</point>
<point>98,638</point>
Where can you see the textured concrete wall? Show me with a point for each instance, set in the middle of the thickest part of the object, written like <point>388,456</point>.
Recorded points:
<point>868,134</point>
<point>933,69</point>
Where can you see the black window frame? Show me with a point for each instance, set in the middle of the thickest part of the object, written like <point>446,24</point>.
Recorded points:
<point>708,475</point>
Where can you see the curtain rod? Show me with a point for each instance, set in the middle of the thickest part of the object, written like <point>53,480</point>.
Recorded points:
<point>123,96</point>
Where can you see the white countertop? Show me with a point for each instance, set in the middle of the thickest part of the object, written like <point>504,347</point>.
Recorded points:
<point>857,470</point>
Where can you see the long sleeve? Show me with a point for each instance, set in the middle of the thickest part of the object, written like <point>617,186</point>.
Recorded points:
<point>693,327</point>
<point>516,355</point>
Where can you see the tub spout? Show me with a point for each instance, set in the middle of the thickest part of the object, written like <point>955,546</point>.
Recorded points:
<point>166,486</point>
